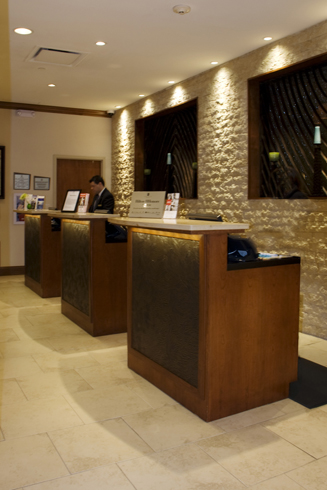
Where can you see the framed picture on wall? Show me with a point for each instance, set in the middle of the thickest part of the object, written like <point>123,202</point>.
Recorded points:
<point>41,183</point>
<point>18,204</point>
<point>22,181</point>
<point>2,172</point>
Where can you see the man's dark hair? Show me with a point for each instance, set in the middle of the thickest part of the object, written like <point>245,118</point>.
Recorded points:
<point>97,179</point>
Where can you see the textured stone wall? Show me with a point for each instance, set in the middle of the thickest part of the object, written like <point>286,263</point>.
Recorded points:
<point>291,227</point>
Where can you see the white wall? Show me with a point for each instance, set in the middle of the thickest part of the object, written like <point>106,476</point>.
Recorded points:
<point>33,147</point>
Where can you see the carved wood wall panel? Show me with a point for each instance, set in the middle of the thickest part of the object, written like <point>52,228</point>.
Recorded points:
<point>291,106</point>
<point>175,132</point>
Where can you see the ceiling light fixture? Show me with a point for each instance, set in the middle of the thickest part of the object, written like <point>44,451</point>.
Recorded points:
<point>23,31</point>
<point>214,62</point>
<point>117,106</point>
<point>171,81</point>
<point>268,38</point>
<point>141,95</point>
<point>100,43</point>
<point>181,9</point>
<point>51,85</point>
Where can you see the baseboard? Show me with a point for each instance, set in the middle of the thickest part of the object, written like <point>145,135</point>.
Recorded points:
<point>12,271</point>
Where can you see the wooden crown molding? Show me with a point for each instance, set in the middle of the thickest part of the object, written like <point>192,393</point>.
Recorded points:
<point>53,109</point>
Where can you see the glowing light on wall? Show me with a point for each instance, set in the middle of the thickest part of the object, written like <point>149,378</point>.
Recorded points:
<point>148,108</point>
<point>223,86</point>
<point>178,96</point>
<point>277,57</point>
<point>126,139</point>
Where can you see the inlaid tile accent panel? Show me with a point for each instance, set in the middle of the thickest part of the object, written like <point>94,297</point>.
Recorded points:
<point>76,263</point>
<point>33,247</point>
<point>165,311</point>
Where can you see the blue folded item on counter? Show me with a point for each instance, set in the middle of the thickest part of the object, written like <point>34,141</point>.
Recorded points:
<point>241,249</point>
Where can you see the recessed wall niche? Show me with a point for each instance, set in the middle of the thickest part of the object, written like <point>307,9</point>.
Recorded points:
<point>166,151</point>
<point>285,107</point>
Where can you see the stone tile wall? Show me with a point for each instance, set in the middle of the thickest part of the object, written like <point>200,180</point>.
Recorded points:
<point>291,227</point>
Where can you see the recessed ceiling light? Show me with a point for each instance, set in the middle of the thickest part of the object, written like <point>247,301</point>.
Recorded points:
<point>100,43</point>
<point>141,95</point>
<point>181,9</point>
<point>51,85</point>
<point>171,81</point>
<point>214,62</point>
<point>23,31</point>
<point>268,38</point>
<point>117,106</point>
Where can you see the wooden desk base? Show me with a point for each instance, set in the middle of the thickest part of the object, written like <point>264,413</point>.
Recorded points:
<point>248,336</point>
<point>94,293</point>
<point>42,256</point>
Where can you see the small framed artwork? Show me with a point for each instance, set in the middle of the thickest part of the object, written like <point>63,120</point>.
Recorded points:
<point>18,204</point>
<point>41,183</point>
<point>22,181</point>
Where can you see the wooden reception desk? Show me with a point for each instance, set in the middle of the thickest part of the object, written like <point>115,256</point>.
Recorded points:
<point>218,341</point>
<point>42,254</point>
<point>94,274</point>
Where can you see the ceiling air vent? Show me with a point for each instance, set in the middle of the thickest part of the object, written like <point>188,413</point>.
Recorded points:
<point>52,56</point>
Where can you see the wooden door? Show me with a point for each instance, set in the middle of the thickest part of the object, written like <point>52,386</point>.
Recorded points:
<point>75,174</point>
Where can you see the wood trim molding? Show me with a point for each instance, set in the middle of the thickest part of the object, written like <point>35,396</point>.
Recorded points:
<point>12,271</point>
<point>286,70</point>
<point>53,109</point>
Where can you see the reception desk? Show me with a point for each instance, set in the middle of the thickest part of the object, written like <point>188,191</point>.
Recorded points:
<point>218,341</point>
<point>94,275</point>
<point>42,254</point>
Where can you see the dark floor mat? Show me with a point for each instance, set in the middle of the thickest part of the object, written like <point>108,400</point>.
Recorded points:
<point>310,390</point>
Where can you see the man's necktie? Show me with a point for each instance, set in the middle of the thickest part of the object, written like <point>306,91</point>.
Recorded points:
<point>96,200</point>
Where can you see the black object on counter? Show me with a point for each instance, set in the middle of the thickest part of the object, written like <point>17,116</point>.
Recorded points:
<point>241,249</point>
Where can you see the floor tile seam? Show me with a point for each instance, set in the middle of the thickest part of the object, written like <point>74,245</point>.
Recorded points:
<point>146,401</point>
<point>297,447</point>
<point>117,417</point>
<point>290,478</point>
<point>58,453</point>
<point>136,433</point>
<point>60,393</point>
<point>301,467</point>
<point>42,399</point>
<point>313,348</point>
<point>19,386</point>
<point>220,464</point>
<point>54,369</point>
<point>270,478</point>
<point>80,472</point>
<point>95,421</point>
<point>10,340</point>
<point>125,475</point>
<point>227,431</point>
<point>40,433</point>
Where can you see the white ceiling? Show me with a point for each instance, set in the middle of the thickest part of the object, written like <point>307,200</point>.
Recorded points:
<point>147,44</point>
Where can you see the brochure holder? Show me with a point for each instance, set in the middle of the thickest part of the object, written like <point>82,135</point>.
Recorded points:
<point>71,201</point>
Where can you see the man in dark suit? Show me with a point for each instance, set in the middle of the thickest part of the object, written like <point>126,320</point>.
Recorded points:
<point>103,199</point>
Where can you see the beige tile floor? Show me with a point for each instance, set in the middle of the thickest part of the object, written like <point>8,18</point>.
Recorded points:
<point>73,416</point>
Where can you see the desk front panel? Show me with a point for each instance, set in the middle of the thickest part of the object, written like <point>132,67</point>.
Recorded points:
<point>166,302</point>
<point>76,264</point>
<point>33,247</point>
